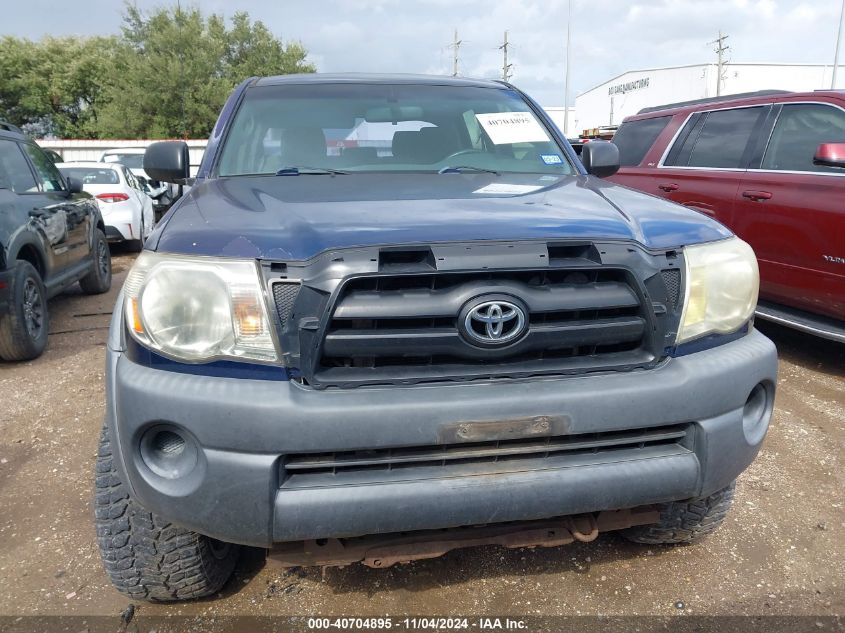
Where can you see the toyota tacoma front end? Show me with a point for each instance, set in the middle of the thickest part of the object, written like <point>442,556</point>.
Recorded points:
<point>391,306</point>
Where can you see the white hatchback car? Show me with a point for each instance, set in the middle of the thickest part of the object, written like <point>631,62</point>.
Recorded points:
<point>133,158</point>
<point>126,209</point>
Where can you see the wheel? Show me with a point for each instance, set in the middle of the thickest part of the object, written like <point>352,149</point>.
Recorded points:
<point>685,521</point>
<point>98,280</point>
<point>136,246</point>
<point>146,556</point>
<point>24,327</point>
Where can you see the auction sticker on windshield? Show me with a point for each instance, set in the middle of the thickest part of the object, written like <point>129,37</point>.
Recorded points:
<point>512,127</point>
<point>501,188</point>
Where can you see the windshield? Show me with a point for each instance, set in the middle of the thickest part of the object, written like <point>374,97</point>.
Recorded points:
<point>132,161</point>
<point>381,127</point>
<point>92,175</point>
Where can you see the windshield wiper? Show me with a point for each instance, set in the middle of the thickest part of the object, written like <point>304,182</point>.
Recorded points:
<point>457,169</point>
<point>310,171</point>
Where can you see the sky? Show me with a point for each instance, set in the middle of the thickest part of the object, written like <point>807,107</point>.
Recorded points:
<point>609,37</point>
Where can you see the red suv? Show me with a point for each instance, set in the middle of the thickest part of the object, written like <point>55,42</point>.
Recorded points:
<point>771,166</point>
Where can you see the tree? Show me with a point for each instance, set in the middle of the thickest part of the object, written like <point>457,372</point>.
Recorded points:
<point>174,69</point>
<point>54,86</point>
<point>167,75</point>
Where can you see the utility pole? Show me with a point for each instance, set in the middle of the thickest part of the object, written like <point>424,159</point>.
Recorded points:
<point>720,49</point>
<point>506,67</point>
<point>838,45</point>
<point>566,80</point>
<point>456,45</point>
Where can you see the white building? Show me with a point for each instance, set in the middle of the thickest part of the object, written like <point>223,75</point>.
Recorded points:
<point>624,95</point>
<point>559,115</point>
<point>83,149</point>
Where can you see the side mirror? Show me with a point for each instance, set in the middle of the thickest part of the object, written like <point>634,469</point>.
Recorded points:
<point>73,185</point>
<point>830,155</point>
<point>600,158</point>
<point>168,161</point>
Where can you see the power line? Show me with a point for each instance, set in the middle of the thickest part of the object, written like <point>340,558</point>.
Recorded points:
<point>720,49</point>
<point>506,67</point>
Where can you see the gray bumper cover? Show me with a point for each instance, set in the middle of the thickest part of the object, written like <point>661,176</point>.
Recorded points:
<point>243,428</point>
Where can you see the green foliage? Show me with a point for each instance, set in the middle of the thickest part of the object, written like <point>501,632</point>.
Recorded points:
<point>54,86</point>
<point>167,75</point>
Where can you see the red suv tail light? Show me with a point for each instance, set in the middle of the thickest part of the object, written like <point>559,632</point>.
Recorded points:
<point>112,197</point>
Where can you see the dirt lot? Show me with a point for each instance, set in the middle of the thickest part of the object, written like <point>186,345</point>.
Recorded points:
<point>782,550</point>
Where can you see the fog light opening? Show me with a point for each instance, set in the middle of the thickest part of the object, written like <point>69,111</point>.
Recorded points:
<point>169,443</point>
<point>168,452</point>
<point>756,413</point>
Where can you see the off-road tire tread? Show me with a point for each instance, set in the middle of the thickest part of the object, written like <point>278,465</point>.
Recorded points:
<point>685,521</point>
<point>15,342</point>
<point>91,283</point>
<point>145,556</point>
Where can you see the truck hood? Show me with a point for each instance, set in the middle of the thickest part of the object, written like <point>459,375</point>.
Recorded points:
<point>298,217</point>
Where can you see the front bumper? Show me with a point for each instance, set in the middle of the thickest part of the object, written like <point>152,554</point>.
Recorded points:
<point>114,234</point>
<point>244,429</point>
<point>119,220</point>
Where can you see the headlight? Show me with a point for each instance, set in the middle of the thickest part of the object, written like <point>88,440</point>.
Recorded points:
<point>198,309</point>
<point>721,288</point>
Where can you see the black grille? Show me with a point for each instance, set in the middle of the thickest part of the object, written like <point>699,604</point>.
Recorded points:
<point>284,295</point>
<point>411,321</point>
<point>468,455</point>
<point>672,279</point>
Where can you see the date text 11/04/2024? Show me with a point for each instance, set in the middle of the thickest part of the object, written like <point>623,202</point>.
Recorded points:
<point>412,623</point>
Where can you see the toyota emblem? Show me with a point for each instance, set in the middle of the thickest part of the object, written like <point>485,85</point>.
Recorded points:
<point>493,322</point>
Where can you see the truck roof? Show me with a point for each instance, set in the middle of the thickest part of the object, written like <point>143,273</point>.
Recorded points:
<point>372,78</point>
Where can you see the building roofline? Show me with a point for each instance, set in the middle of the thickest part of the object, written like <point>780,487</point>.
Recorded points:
<point>87,163</point>
<point>701,65</point>
<point>110,144</point>
<point>641,70</point>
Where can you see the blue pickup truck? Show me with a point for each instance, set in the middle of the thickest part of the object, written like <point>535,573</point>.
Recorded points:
<point>396,315</point>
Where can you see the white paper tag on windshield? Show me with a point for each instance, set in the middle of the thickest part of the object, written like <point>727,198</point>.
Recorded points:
<point>505,189</point>
<point>512,127</point>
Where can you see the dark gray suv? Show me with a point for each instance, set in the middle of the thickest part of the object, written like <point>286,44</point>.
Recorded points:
<point>51,236</point>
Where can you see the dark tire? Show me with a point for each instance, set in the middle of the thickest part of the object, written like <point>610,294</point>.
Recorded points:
<point>685,521</point>
<point>147,557</point>
<point>24,326</point>
<point>98,280</point>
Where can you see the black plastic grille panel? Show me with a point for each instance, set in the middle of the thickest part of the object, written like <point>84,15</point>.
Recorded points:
<point>672,279</point>
<point>284,295</point>
<point>470,455</point>
<point>412,320</point>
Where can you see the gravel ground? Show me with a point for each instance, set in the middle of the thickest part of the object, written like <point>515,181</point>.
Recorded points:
<point>781,551</point>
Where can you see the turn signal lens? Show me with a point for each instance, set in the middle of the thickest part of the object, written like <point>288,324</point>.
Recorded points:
<point>134,316</point>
